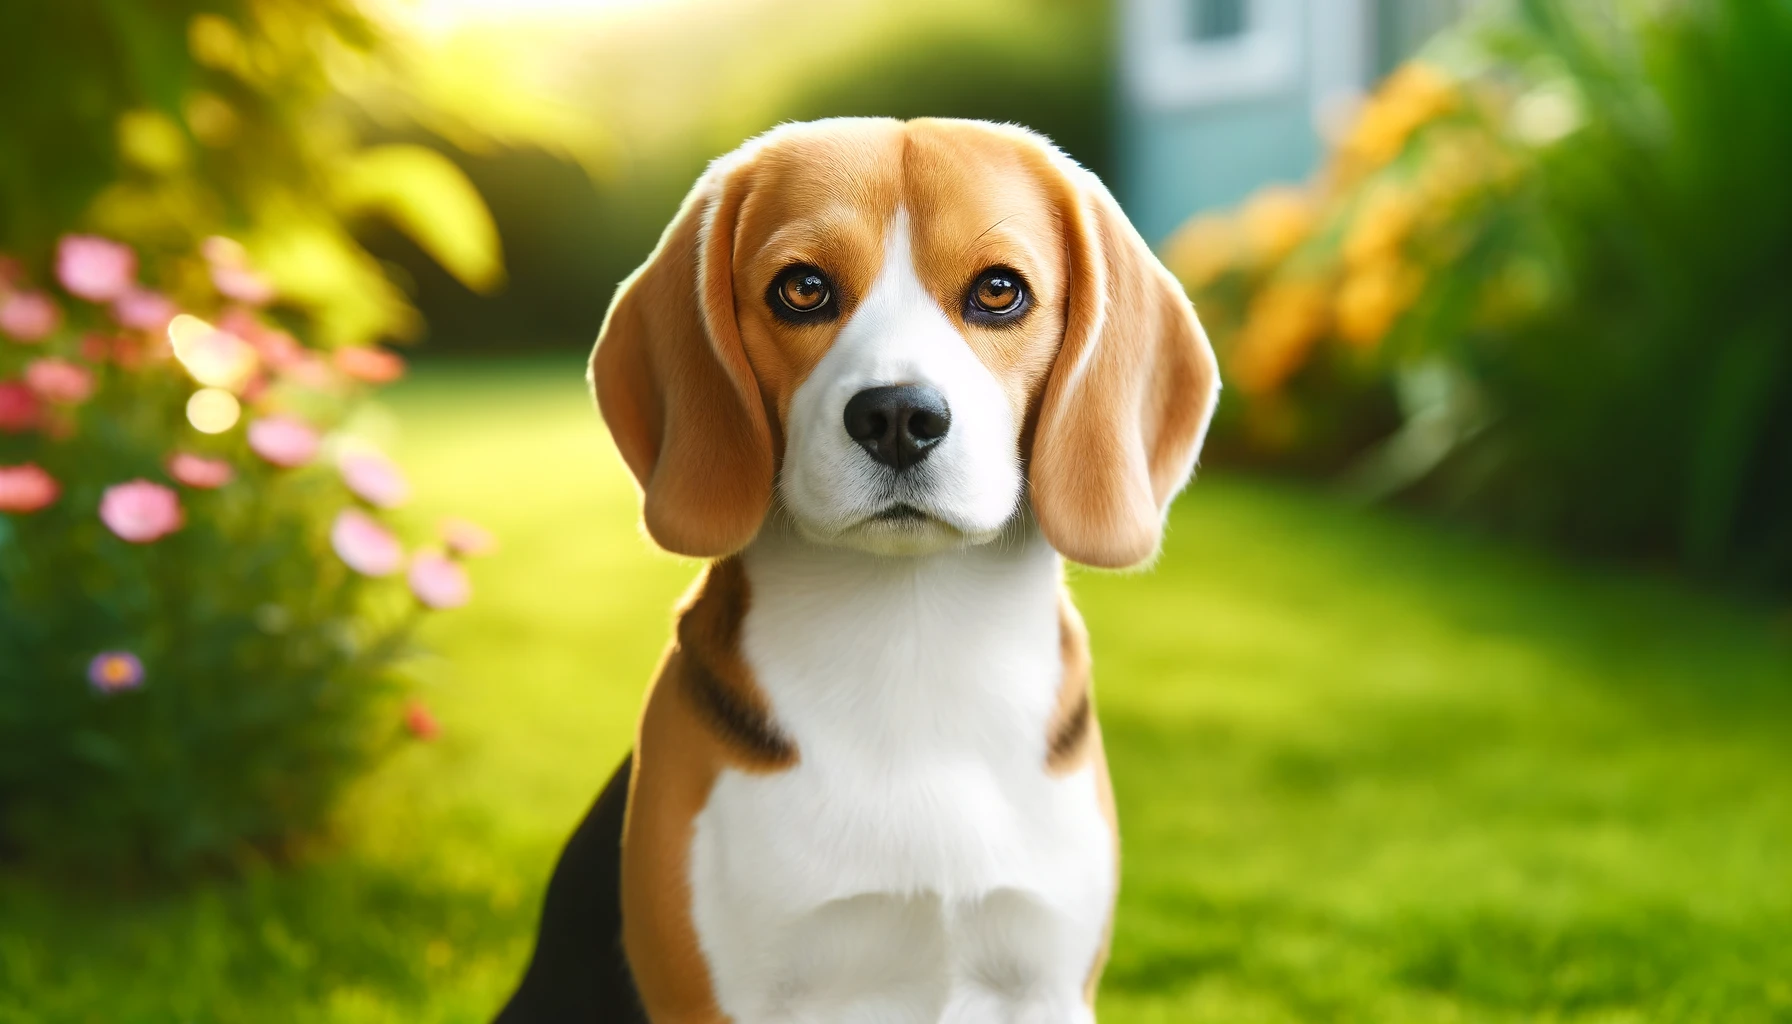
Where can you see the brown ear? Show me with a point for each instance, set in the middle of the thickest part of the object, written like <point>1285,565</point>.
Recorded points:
<point>674,385</point>
<point>1129,397</point>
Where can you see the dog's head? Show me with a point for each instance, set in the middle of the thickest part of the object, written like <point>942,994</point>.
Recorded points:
<point>900,331</point>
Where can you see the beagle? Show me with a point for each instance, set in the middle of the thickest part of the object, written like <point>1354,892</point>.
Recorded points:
<point>886,375</point>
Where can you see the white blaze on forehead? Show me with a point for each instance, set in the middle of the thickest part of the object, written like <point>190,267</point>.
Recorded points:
<point>899,334</point>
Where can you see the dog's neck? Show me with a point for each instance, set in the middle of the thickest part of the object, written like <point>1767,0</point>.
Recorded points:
<point>913,647</point>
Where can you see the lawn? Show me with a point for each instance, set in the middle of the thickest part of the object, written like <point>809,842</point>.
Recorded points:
<point>1367,770</point>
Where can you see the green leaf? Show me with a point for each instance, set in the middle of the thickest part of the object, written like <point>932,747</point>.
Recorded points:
<point>427,197</point>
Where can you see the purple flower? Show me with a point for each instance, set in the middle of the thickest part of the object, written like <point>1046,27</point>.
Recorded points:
<point>112,671</point>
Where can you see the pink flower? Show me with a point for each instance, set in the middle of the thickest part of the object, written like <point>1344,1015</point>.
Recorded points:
<point>28,316</point>
<point>276,347</point>
<point>420,723</point>
<point>365,545</point>
<point>283,440</point>
<point>96,269</point>
<point>198,471</point>
<point>243,285</point>
<point>140,511</point>
<point>58,380</point>
<point>439,581</point>
<point>467,539</point>
<point>18,407</point>
<point>373,478</point>
<point>26,488</point>
<point>373,365</point>
<point>112,671</point>
<point>310,371</point>
<point>144,310</point>
<point>231,273</point>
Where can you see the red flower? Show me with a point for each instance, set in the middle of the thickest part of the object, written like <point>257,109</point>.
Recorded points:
<point>19,408</point>
<point>26,488</point>
<point>373,365</point>
<point>198,471</point>
<point>420,723</point>
<point>28,316</point>
<point>58,380</point>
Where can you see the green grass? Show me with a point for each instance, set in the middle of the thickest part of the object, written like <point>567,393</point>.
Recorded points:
<point>1367,771</point>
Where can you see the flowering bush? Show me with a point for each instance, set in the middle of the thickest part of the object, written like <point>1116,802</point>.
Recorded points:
<point>1540,284</point>
<point>204,616</point>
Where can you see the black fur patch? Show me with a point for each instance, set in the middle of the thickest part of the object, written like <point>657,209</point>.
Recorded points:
<point>579,972</point>
<point>740,722</point>
<point>1067,738</point>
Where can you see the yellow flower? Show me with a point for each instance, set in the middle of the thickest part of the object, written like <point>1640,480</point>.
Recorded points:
<point>1285,319</point>
<point>1201,250</point>
<point>1275,220</point>
<point>1383,221</point>
<point>1413,95</point>
<point>1372,298</point>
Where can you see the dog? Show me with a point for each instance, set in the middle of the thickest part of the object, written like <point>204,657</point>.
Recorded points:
<point>886,375</point>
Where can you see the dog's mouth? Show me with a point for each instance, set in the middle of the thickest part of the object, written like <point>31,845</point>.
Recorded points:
<point>900,513</point>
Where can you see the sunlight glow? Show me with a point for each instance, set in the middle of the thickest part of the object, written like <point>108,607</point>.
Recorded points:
<point>213,357</point>
<point>213,410</point>
<point>438,15</point>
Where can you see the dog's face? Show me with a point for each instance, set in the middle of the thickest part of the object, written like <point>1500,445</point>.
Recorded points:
<point>898,326</point>
<point>900,302</point>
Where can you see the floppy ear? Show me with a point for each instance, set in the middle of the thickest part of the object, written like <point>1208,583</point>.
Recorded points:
<point>674,385</point>
<point>1129,396</point>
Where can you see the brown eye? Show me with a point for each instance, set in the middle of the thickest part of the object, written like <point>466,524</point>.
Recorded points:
<point>805,293</point>
<point>997,296</point>
<point>801,294</point>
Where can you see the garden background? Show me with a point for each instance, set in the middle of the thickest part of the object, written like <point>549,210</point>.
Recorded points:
<point>1462,692</point>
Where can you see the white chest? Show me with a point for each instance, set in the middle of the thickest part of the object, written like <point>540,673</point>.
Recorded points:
<point>919,863</point>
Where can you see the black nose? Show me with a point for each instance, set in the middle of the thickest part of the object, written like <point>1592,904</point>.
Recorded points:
<point>898,425</point>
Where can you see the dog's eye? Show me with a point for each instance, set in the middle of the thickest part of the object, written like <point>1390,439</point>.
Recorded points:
<point>997,295</point>
<point>801,293</point>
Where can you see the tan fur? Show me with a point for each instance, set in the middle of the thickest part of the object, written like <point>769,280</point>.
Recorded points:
<point>1068,737</point>
<point>678,754</point>
<point>1129,397</point>
<point>1078,688</point>
<point>1104,793</point>
<point>675,388</point>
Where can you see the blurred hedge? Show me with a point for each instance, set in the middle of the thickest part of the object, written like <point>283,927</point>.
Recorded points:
<point>1542,285</point>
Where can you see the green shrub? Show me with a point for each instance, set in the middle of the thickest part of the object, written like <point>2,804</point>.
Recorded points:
<point>1552,255</point>
<point>203,621</point>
